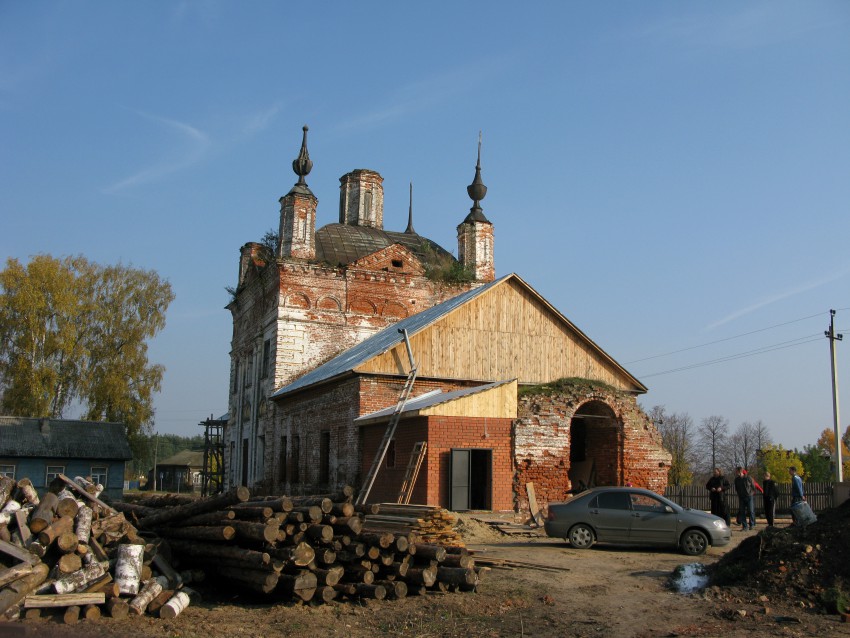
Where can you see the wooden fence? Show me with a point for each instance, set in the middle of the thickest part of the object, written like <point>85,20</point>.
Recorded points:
<point>818,495</point>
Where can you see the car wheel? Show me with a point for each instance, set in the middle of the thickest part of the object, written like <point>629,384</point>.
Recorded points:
<point>694,542</point>
<point>581,536</point>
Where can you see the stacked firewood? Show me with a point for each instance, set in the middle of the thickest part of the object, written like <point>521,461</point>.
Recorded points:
<point>431,524</point>
<point>303,548</point>
<point>69,550</point>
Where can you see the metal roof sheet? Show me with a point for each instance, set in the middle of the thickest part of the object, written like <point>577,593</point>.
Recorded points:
<point>61,438</point>
<point>381,342</point>
<point>430,399</point>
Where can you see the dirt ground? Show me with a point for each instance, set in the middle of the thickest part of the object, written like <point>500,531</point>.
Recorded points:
<point>603,591</point>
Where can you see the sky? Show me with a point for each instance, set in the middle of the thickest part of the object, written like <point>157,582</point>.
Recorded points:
<point>674,177</point>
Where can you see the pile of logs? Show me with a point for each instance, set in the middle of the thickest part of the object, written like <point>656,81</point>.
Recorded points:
<point>431,524</point>
<point>303,548</point>
<point>69,550</point>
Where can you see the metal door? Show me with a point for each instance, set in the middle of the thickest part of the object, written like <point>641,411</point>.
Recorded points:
<point>460,480</point>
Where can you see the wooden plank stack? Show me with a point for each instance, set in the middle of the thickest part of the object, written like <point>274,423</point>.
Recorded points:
<point>67,550</point>
<point>431,524</point>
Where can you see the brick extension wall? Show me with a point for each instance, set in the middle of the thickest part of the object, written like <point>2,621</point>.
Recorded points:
<point>628,452</point>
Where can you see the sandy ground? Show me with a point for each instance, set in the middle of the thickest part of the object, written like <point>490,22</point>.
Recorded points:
<point>602,591</point>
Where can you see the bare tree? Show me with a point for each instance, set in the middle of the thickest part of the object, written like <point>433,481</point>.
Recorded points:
<point>713,435</point>
<point>677,438</point>
<point>743,446</point>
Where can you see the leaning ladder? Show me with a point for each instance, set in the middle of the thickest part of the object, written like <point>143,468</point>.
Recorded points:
<point>413,467</point>
<point>391,426</point>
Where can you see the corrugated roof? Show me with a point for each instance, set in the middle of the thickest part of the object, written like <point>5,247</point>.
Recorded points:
<point>342,244</point>
<point>382,341</point>
<point>430,399</point>
<point>62,438</point>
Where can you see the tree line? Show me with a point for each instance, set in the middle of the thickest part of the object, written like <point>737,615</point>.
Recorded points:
<point>697,448</point>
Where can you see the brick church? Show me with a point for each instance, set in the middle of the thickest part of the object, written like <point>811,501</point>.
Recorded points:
<point>507,389</point>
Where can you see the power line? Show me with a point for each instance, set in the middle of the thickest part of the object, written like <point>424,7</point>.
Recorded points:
<point>742,355</point>
<point>710,343</point>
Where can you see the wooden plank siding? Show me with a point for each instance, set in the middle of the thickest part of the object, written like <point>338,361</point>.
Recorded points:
<point>818,495</point>
<point>506,333</point>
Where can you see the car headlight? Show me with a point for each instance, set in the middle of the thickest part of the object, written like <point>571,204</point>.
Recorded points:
<point>719,524</point>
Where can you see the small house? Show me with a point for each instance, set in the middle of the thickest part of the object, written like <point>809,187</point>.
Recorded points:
<point>181,472</point>
<point>41,449</point>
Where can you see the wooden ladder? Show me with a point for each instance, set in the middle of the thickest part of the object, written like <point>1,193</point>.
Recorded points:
<point>413,467</point>
<point>391,427</point>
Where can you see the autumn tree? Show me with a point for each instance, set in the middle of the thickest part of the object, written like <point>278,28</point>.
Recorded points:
<point>817,464</point>
<point>776,460</point>
<point>826,444</point>
<point>677,437</point>
<point>75,332</point>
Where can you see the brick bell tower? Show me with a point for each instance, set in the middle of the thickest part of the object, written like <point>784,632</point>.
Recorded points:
<point>361,199</point>
<point>475,234</point>
<point>298,212</point>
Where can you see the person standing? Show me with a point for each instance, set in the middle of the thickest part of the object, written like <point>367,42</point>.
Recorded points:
<point>797,494</point>
<point>717,487</point>
<point>744,488</point>
<point>769,493</point>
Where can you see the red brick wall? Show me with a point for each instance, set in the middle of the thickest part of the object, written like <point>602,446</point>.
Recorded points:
<point>629,451</point>
<point>442,434</point>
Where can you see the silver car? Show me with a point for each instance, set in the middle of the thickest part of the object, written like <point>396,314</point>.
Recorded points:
<point>631,515</point>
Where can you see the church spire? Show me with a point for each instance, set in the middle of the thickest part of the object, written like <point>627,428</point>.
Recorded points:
<point>409,230</point>
<point>302,165</point>
<point>477,191</point>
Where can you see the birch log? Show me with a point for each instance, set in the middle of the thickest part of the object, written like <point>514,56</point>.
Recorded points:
<point>128,568</point>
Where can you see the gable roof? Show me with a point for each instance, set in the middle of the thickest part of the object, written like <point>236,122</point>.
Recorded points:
<point>185,458</point>
<point>349,361</point>
<point>62,438</point>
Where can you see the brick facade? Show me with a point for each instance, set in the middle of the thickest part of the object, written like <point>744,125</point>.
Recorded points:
<point>584,421</point>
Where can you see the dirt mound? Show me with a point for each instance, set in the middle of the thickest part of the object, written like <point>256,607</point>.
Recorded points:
<point>475,531</point>
<point>810,563</point>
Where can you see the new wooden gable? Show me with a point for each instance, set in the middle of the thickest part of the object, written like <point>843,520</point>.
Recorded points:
<point>507,331</point>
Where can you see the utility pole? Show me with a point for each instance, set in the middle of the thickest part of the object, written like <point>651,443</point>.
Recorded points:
<point>830,334</point>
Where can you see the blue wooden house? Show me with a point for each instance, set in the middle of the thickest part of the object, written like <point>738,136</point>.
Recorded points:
<point>40,449</point>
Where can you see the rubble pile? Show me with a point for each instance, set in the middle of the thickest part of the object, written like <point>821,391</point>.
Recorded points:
<point>797,564</point>
<point>71,551</point>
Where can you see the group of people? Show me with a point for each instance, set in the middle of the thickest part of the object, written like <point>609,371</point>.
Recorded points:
<point>745,488</point>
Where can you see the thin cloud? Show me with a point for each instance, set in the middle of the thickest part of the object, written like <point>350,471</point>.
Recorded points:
<point>779,297</point>
<point>753,26</point>
<point>199,145</point>
<point>428,92</point>
<point>261,120</point>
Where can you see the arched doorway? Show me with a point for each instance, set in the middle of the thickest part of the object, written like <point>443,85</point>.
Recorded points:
<point>595,446</point>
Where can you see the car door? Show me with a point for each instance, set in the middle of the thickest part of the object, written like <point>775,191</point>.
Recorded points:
<point>651,523</point>
<point>611,515</point>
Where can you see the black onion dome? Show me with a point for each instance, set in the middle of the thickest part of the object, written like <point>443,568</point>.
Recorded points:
<point>302,166</point>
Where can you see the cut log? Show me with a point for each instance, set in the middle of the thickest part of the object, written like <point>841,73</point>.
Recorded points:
<point>220,517</point>
<point>311,513</point>
<point>302,585</point>
<point>43,601</point>
<point>17,553</point>
<point>457,575</point>
<point>325,556</point>
<point>91,612</point>
<point>350,525</point>
<point>117,608</point>
<point>211,552</point>
<point>377,539</point>
<point>256,532</point>
<point>256,580</point>
<point>150,590</point>
<point>421,575</point>
<point>27,492</point>
<point>7,486</point>
<point>81,578</point>
<point>17,590</point>
<point>14,573</point>
<point>252,513</point>
<point>156,604</point>
<point>325,594</point>
<point>23,527</point>
<point>51,532</point>
<point>42,517</point>
<point>320,533</point>
<point>220,501</point>
<point>83,527</point>
<point>175,605</point>
<point>395,588</point>
<point>128,568</point>
<point>431,552</point>
<point>67,506</point>
<point>202,533</point>
<point>71,615</point>
<point>89,497</point>
<point>324,504</point>
<point>301,554</point>
<point>330,576</point>
<point>165,568</point>
<point>276,503</point>
<point>68,564</point>
<point>67,542</point>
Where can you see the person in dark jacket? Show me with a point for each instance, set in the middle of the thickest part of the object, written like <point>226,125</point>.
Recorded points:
<point>717,487</point>
<point>770,493</point>
<point>744,488</point>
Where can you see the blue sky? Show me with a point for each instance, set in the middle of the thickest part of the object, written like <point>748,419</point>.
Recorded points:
<point>667,174</point>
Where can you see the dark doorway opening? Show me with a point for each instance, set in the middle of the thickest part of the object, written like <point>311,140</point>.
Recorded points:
<point>595,443</point>
<point>244,461</point>
<point>471,479</point>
